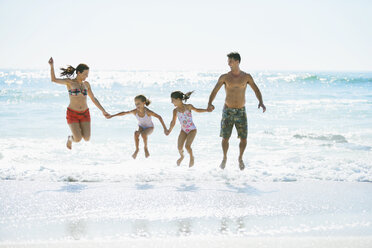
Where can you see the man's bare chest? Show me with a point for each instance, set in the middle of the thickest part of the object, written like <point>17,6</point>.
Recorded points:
<point>236,84</point>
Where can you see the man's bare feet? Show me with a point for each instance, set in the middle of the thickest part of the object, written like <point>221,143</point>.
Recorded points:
<point>147,154</point>
<point>134,156</point>
<point>241,164</point>
<point>69,142</point>
<point>223,164</point>
<point>191,163</point>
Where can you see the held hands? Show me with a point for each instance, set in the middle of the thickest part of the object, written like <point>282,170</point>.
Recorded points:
<point>107,115</point>
<point>210,108</point>
<point>262,106</point>
<point>166,132</point>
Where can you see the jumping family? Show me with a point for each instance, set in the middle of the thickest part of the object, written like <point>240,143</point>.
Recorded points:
<point>234,112</point>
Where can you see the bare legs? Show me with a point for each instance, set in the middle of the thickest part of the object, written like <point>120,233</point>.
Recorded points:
<point>242,145</point>
<point>79,131</point>
<point>186,140</point>
<point>136,141</point>
<point>225,148</point>
<point>181,141</point>
<point>144,133</point>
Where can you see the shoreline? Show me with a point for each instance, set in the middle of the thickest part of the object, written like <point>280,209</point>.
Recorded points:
<point>289,242</point>
<point>321,212</point>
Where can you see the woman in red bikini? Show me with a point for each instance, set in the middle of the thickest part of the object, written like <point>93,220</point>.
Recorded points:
<point>78,117</point>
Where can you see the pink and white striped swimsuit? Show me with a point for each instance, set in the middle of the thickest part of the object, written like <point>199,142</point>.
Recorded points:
<point>185,118</point>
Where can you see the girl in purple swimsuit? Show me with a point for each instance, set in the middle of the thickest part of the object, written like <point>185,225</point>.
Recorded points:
<point>188,129</point>
<point>145,125</point>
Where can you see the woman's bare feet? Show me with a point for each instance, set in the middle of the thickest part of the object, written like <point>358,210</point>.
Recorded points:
<point>69,142</point>
<point>191,164</point>
<point>147,154</point>
<point>241,164</point>
<point>134,156</point>
<point>223,164</point>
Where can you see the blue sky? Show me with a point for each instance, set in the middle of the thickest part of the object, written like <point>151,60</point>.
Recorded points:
<point>187,35</point>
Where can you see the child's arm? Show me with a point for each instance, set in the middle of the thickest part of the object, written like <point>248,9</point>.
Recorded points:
<point>159,118</point>
<point>173,122</point>
<point>191,107</point>
<point>123,113</point>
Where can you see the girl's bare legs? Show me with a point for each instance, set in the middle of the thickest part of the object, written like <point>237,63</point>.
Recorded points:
<point>181,141</point>
<point>145,133</point>
<point>136,141</point>
<point>76,134</point>
<point>189,139</point>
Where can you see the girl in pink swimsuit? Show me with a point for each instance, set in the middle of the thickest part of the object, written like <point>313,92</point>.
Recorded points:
<point>188,129</point>
<point>145,125</point>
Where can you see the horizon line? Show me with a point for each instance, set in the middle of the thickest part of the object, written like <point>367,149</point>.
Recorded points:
<point>207,70</point>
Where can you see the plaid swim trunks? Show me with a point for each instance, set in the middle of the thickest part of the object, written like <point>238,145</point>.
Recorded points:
<point>231,117</point>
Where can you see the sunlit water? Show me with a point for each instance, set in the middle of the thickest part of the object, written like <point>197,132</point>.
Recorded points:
<point>317,127</point>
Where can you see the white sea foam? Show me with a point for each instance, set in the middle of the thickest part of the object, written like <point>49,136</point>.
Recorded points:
<point>316,134</point>
<point>317,126</point>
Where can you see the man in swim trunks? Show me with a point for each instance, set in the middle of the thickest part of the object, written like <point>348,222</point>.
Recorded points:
<point>234,113</point>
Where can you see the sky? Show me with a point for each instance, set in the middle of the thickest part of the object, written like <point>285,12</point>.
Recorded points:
<point>187,35</point>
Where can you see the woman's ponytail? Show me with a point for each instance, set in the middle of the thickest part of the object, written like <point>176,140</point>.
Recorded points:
<point>68,72</point>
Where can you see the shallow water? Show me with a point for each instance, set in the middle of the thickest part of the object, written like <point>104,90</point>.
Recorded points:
<point>62,211</point>
<point>317,126</point>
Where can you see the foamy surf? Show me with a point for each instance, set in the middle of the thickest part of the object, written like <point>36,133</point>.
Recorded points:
<point>305,183</point>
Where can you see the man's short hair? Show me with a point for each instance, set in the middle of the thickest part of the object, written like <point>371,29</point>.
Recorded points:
<point>235,56</point>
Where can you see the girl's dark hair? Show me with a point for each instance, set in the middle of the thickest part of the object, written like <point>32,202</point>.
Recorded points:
<point>180,95</point>
<point>143,99</point>
<point>69,71</point>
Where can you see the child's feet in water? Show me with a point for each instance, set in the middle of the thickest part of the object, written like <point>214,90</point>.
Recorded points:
<point>69,142</point>
<point>147,154</point>
<point>191,164</point>
<point>223,164</point>
<point>241,164</point>
<point>180,160</point>
<point>134,156</point>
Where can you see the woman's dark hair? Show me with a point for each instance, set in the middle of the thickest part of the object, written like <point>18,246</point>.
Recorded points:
<point>235,56</point>
<point>143,99</point>
<point>69,71</point>
<point>180,95</point>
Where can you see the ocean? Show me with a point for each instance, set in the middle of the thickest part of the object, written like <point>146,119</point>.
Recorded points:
<point>317,127</point>
<point>307,177</point>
